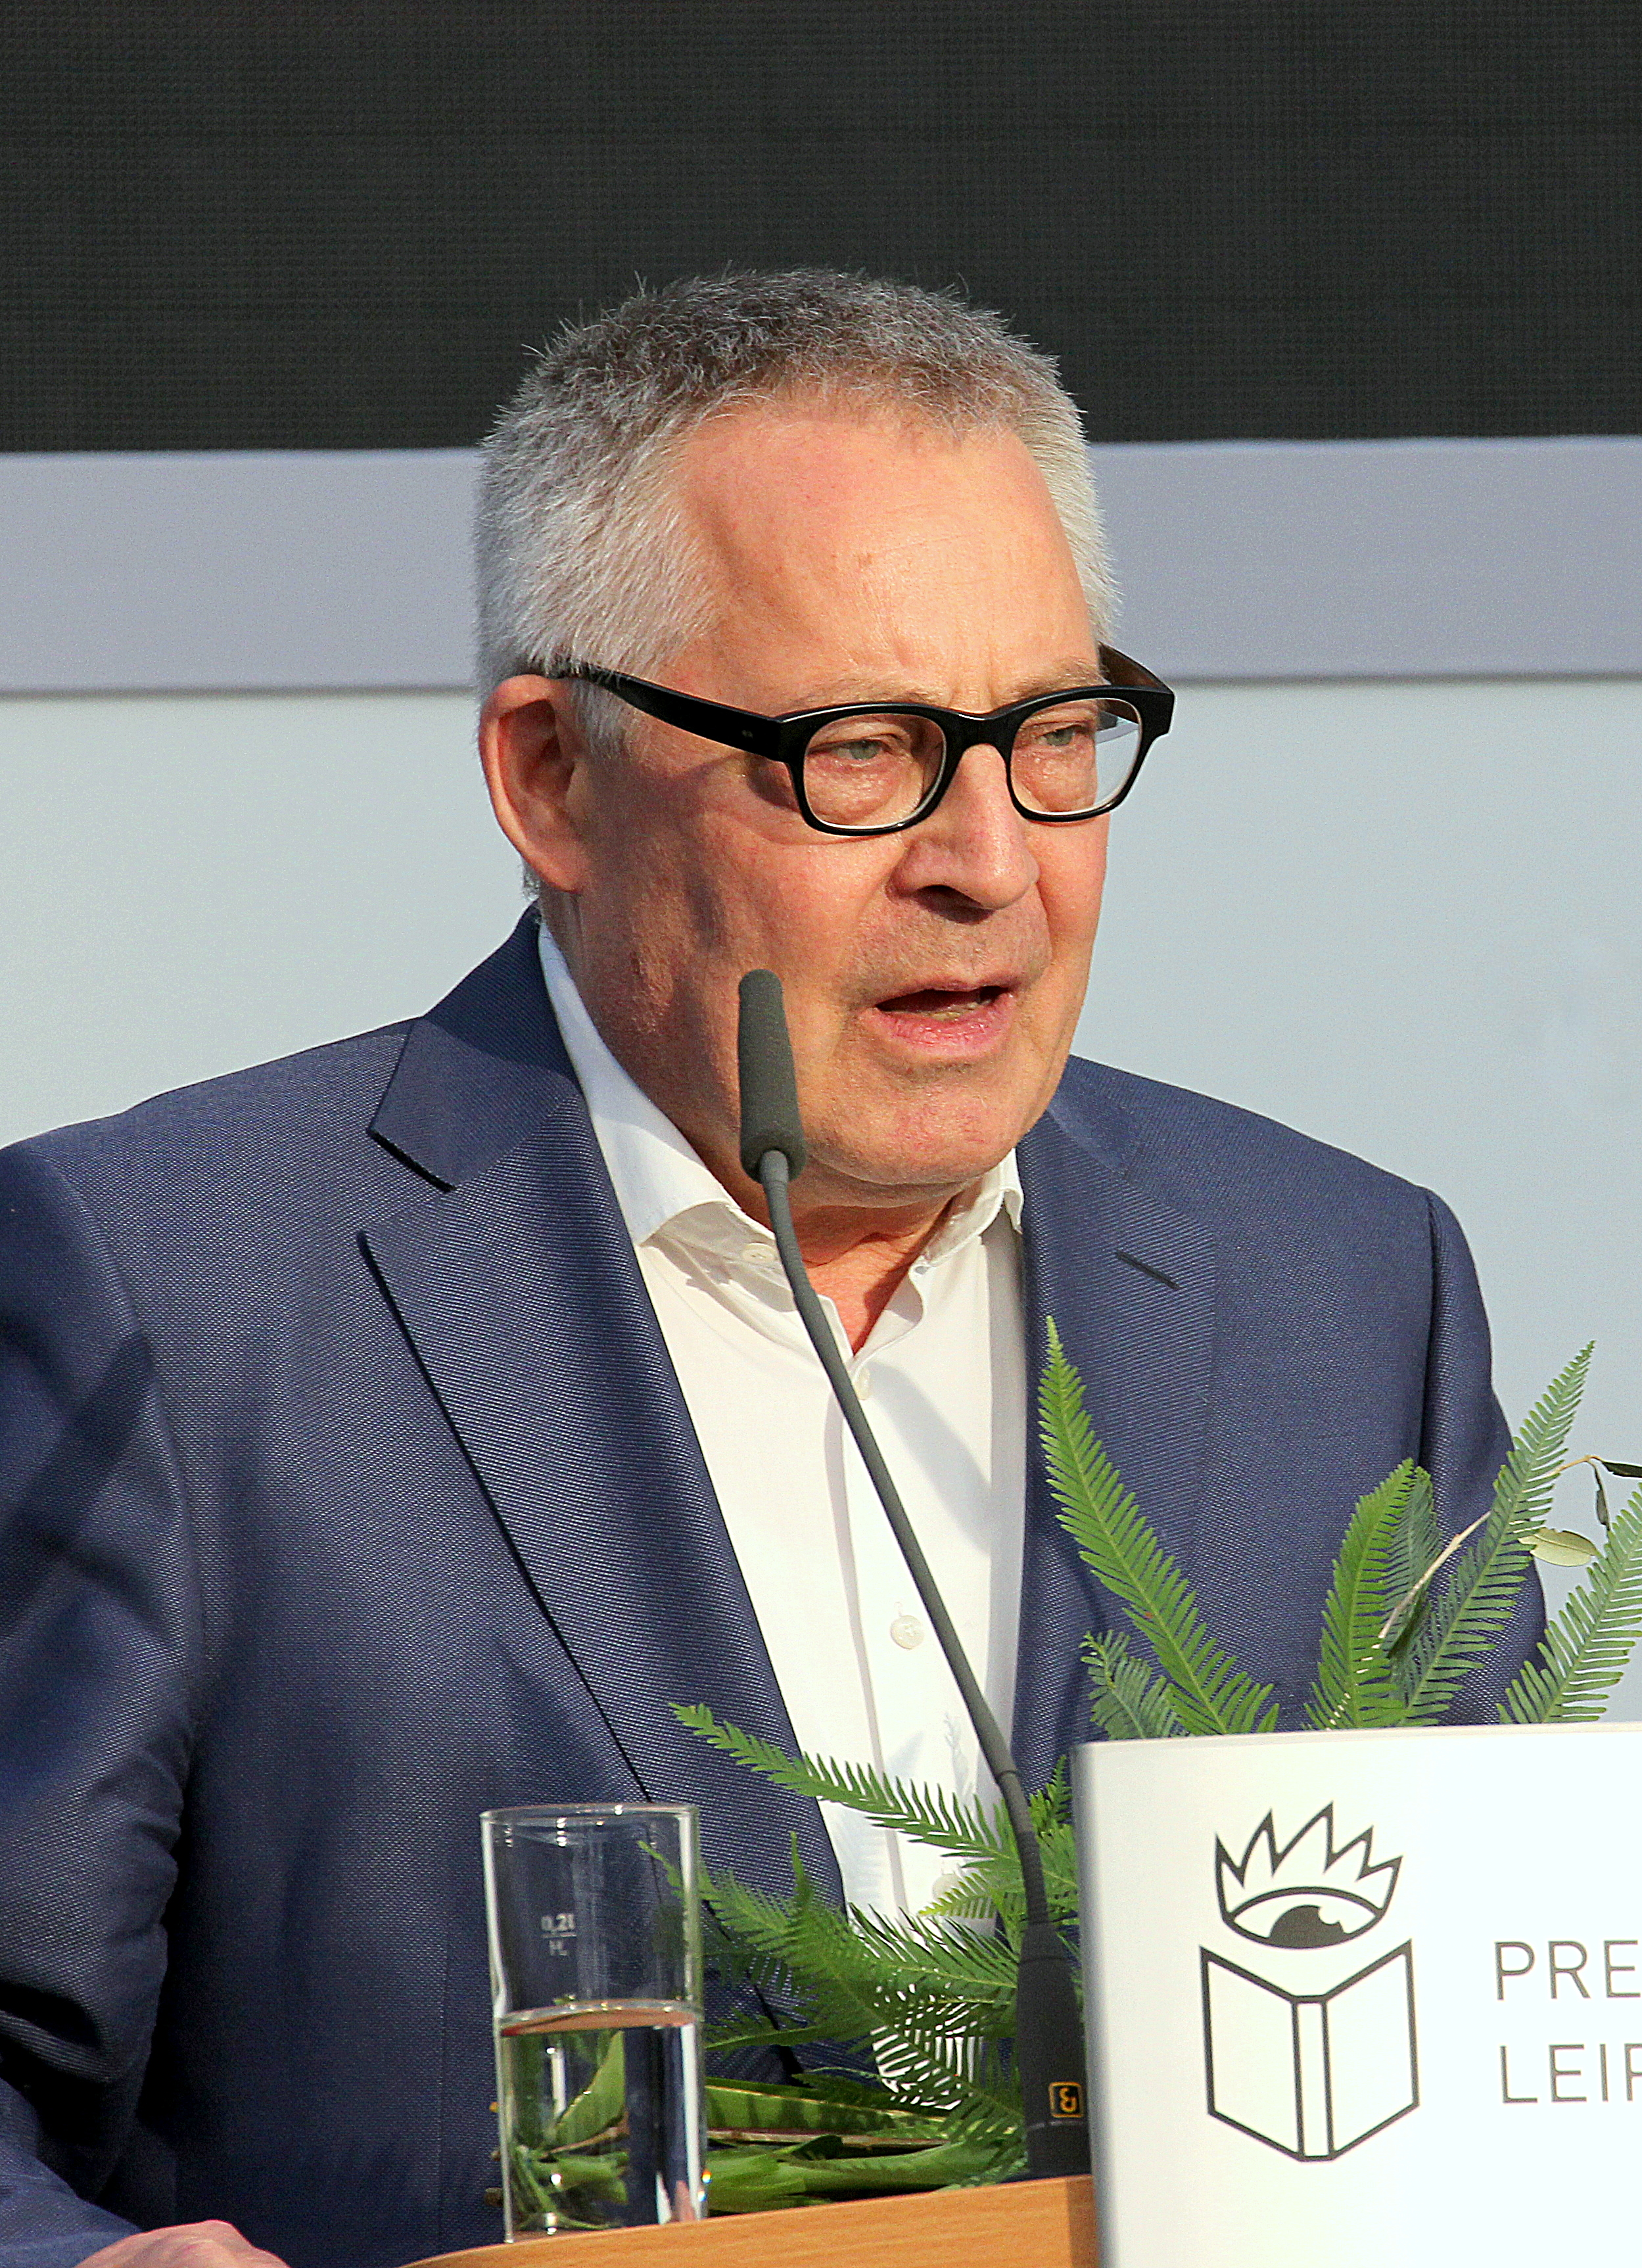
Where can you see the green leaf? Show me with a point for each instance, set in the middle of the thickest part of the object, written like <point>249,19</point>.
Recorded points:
<point>1415,1554</point>
<point>1561,1547</point>
<point>816,2108</point>
<point>927,1815</point>
<point>599,2106</point>
<point>1210,1694</point>
<point>970,1962</point>
<point>752,2180</point>
<point>853,1975</point>
<point>1583,1655</point>
<point>1051,1806</point>
<point>989,1890</point>
<point>1621,1472</point>
<point>1478,1597</point>
<point>1356,1683</point>
<point>936,2002</point>
<point>1126,1701</point>
<point>755,2180</point>
<point>573,2188</point>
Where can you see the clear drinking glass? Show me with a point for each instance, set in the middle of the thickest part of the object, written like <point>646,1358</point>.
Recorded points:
<point>596,1972</point>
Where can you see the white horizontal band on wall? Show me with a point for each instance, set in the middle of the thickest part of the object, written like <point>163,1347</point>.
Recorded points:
<point>1274,559</point>
<point>309,570</point>
<point>318,569</point>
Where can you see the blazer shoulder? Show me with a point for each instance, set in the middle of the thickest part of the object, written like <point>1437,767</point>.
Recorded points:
<point>258,1125</point>
<point>1207,1152</point>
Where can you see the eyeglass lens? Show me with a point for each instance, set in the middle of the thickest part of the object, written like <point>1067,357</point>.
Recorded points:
<point>874,771</point>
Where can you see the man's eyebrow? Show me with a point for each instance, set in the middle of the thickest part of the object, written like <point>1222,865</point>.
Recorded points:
<point>836,692</point>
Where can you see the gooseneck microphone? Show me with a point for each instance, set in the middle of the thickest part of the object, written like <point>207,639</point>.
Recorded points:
<point>1049,2038</point>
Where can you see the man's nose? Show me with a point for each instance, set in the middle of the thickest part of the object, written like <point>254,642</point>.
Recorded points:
<point>974,843</point>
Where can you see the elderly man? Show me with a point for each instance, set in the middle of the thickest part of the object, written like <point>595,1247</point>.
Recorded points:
<point>402,1430</point>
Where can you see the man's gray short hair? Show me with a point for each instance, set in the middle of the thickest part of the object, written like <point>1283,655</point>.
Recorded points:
<point>582,553</point>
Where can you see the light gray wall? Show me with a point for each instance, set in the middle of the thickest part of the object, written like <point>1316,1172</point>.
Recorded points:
<point>195,882</point>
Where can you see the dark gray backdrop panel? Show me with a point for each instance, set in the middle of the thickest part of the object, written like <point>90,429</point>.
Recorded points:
<point>322,224</point>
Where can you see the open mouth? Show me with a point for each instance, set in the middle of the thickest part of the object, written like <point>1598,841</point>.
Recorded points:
<point>978,1012</point>
<point>945,1007</point>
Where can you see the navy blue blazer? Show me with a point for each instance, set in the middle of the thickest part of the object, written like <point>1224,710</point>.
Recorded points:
<point>348,1490</point>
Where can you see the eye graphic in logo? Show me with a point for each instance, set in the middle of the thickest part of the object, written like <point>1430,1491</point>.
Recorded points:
<point>1315,2055</point>
<point>1308,1893</point>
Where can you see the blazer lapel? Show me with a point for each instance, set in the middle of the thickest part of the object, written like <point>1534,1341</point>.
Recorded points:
<point>515,1281</point>
<point>516,1284</point>
<point>1128,1280</point>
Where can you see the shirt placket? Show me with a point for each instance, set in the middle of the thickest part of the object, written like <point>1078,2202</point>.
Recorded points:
<point>911,1695</point>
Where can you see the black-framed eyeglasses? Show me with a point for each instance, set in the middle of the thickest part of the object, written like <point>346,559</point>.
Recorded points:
<point>876,767</point>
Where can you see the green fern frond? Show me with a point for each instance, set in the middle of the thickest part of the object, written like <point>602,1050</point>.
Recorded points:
<point>1529,1473</point>
<point>1211,1693</point>
<point>973,1898</point>
<point>1583,1655</point>
<point>778,1944</point>
<point>1051,1806</point>
<point>989,1890</point>
<point>964,1962</point>
<point>858,1972</point>
<point>1059,1852</point>
<point>1126,1701</point>
<point>798,1936</point>
<point>1476,1600</point>
<point>1465,1619</point>
<point>936,2002</point>
<point>973,2076</point>
<point>919,2064</point>
<point>1356,1683</point>
<point>1416,1540</point>
<point>924,1815</point>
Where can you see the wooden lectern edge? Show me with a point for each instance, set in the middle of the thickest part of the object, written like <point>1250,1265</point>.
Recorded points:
<point>1046,2224</point>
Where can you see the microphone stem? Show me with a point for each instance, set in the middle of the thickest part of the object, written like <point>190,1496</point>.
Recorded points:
<point>773,1173</point>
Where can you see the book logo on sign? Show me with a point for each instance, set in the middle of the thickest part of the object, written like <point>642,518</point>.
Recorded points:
<point>1305,2048</point>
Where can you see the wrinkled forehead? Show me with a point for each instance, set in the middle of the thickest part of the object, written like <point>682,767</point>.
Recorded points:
<point>809,517</point>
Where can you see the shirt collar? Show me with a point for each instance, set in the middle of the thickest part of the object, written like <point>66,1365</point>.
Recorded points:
<point>661,1183</point>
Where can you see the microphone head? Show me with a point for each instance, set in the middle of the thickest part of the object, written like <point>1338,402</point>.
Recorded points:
<point>770,1094</point>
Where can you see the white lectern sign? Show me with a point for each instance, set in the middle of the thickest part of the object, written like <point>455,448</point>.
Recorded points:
<point>1356,1998</point>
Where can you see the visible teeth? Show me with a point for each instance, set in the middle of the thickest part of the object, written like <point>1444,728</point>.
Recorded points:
<point>945,1007</point>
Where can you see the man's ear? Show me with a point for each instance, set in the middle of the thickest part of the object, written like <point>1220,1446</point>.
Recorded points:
<point>534,760</point>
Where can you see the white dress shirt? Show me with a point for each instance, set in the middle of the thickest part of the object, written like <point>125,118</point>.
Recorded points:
<point>942,1380</point>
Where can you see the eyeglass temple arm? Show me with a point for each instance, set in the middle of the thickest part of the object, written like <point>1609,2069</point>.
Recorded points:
<point>739,728</point>
<point>1137,675</point>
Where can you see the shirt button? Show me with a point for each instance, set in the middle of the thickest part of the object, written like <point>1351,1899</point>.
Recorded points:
<point>906,1630</point>
<point>863,1383</point>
